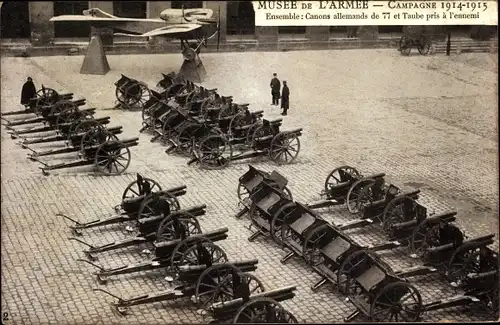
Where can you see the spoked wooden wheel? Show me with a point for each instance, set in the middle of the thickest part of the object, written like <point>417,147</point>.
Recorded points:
<point>136,95</point>
<point>353,203</point>
<point>396,302</point>
<point>216,284</point>
<point>285,147</point>
<point>120,92</point>
<point>242,192</point>
<point>153,121</point>
<point>226,110</point>
<point>398,210</point>
<point>249,135</point>
<point>346,282</point>
<point>136,188</point>
<point>405,45</point>
<point>191,256</point>
<point>173,89</point>
<point>151,206</point>
<point>183,94</point>
<point>183,246</point>
<point>71,129</point>
<point>278,219</point>
<point>239,120</point>
<point>112,158</point>
<point>194,106</point>
<point>187,224</point>
<point>61,106</point>
<point>168,125</point>
<point>81,125</point>
<point>48,95</point>
<point>365,198</point>
<point>172,200</point>
<point>225,290</point>
<point>313,242</point>
<point>465,259</point>
<point>45,97</point>
<point>424,236</point>
<point>95,135</point>
<point>149,108</point>
<point>262,130</point>
<point>261,310</point>
<point>195,96</point>
<point>67,116</point>
<point>213,152</point>
<point>185,134</point>
<point>424,46</point>
<point>340,175</point>
<point>208,105</point>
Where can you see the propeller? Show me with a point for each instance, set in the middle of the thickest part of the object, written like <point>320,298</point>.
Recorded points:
<point>184,16</point>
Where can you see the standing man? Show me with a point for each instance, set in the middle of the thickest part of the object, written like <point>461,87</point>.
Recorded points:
<point>275,89</point>
<point>285,94</point>
<point>28,91</point>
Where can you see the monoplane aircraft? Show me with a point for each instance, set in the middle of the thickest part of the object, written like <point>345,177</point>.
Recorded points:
<point>187,25</point>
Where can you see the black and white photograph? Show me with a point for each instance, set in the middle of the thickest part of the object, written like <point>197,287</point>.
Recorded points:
<point>226,162</point>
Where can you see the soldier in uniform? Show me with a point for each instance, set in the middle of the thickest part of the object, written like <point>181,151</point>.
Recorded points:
<point>275,89</point>
<point>285,93</point>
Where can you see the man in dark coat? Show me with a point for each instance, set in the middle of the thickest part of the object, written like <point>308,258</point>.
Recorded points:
<point>285,95</point>
<point>28,92</point>
<point>275,89</point>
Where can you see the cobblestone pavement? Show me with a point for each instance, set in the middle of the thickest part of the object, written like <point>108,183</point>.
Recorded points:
<point>427,122</point>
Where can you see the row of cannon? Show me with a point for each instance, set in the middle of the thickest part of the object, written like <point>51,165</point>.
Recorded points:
<point>198,269</point>
<point>53,117</point>
<point>209,128</point>
<point>357,271</point>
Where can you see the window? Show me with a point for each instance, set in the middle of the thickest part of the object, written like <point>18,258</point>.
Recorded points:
<point>240,18</point>
<point>130,9</point>
<point>71,28</point>
<point>292,29</point>
<point>15,20</point>
<point>186,4</point>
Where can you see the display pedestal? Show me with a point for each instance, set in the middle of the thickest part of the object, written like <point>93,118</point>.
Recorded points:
<point>193,70</point>
<point>95,61</point>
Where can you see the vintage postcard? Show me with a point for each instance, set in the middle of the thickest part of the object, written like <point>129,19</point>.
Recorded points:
<point>191,162</point>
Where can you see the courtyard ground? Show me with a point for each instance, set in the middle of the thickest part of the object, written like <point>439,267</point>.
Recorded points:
<point>427,122</point>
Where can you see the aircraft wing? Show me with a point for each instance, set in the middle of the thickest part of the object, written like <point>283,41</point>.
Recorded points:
<point>92,19</point>
<point>168,31</point>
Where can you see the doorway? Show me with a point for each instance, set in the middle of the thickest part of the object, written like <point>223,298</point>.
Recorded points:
<point>240,18</point>
<point>15,19</point>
